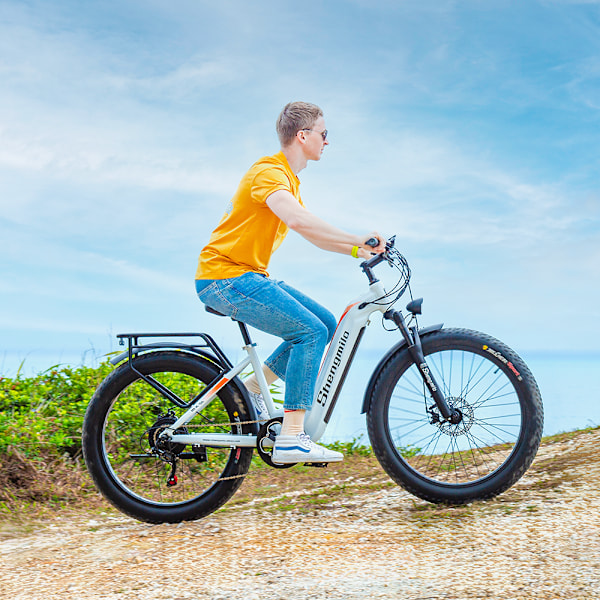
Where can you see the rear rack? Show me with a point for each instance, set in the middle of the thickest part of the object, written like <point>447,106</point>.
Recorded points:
<point>135,347</point>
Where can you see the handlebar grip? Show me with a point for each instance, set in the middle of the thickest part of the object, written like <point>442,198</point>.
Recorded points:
<point>373,242</point>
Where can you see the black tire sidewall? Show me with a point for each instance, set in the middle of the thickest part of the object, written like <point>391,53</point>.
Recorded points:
<point>92,440</point>
<point>496,482</point>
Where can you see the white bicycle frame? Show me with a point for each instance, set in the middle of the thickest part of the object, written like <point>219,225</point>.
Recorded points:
<point>332,374</point>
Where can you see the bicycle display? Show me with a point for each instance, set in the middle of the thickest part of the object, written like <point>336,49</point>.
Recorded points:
<point>453,415</point>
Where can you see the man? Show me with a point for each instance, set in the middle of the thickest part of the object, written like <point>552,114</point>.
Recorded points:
<point>232,273</point>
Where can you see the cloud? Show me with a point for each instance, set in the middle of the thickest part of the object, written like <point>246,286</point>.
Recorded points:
<point>584,87</point>
<point>82,264</point>
<point>437,190</point>
<point>78,105</point>
<point>125,127</point>
<point>186,81</point>
<point>37,323</point>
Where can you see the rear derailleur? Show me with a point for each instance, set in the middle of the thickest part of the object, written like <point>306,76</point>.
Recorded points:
<point>169,451</point>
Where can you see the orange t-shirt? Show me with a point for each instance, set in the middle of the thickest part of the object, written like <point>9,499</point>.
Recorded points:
<point>249,232</point>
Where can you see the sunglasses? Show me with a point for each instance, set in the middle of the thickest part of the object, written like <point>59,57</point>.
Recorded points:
<point>323,133</point>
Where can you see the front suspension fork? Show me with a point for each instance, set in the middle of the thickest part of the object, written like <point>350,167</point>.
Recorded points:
<point>415,349</point>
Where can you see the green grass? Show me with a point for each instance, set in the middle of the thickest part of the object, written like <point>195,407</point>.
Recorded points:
<point>41,463</point>
<point>352,448</point>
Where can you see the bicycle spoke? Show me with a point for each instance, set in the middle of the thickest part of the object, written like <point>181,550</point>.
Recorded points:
<point>479,451</point>
<point>435,439</point>
<point>407,434</point>
<point>408,412</point>
<point>131,432</point>
<point>415,388</point>
<point>480,402</point>
<point>494,434</point>
<point>472,448</point>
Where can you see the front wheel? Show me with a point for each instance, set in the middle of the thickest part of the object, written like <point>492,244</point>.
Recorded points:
<point>147,478</point>
<point>500,418</point>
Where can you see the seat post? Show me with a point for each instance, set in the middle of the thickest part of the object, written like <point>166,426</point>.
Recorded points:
<point>245,333</point>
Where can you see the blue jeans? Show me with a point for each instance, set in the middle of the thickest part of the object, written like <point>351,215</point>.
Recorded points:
<point>277,308</point>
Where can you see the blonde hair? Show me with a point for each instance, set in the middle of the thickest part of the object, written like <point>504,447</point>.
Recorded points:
<point>294,117</point>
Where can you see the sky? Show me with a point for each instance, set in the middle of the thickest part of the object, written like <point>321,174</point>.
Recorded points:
<point>468,129</point>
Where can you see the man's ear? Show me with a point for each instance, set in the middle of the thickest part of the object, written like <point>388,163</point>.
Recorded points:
<point>301,136</point>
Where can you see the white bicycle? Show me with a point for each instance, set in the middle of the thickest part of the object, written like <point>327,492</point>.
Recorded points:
<point>453,415</point>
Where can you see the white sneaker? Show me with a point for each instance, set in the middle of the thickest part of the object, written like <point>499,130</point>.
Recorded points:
<point>300,448</point>
<point>262,412</point>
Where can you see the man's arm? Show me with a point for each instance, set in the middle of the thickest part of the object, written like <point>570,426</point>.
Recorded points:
<point>317,231</point>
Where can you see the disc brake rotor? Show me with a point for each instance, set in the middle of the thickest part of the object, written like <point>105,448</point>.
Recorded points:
<point>466,421</point>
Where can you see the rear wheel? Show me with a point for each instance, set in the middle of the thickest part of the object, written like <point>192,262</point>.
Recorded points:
<point>499,418</point>
<point>135,470</point>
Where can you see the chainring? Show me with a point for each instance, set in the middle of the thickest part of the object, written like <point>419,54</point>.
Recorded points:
<point>265,440</point>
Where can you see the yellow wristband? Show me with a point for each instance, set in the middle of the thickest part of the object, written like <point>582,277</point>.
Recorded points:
<point>354,251</point>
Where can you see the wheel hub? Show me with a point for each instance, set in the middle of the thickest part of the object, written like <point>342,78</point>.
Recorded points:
<point>165,447</point>
<point>461,421</point>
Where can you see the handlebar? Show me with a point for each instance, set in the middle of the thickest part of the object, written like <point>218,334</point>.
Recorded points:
<point>394,259</point>
<point>377,258</point>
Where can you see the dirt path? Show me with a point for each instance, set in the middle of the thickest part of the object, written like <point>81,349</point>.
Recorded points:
<point>341,539</point>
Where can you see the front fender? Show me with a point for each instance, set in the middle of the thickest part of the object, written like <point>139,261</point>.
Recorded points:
<point>399,346</point>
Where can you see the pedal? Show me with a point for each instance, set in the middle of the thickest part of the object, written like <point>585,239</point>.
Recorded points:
<point>316,464</point>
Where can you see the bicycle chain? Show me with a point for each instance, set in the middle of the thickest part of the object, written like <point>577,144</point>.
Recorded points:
<point>194,426</point>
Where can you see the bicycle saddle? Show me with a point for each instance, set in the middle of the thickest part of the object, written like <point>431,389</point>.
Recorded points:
<point>213,311</point>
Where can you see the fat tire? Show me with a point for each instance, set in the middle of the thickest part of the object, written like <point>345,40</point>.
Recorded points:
<point>525,446</point>
<point>98,465</point>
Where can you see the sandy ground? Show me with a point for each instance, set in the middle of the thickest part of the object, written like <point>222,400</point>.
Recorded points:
<point>539,540</point>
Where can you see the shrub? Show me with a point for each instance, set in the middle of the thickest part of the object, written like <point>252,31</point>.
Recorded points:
<point>44,414</point>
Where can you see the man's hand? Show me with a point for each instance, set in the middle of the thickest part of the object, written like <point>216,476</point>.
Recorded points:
<point>367,252</point>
